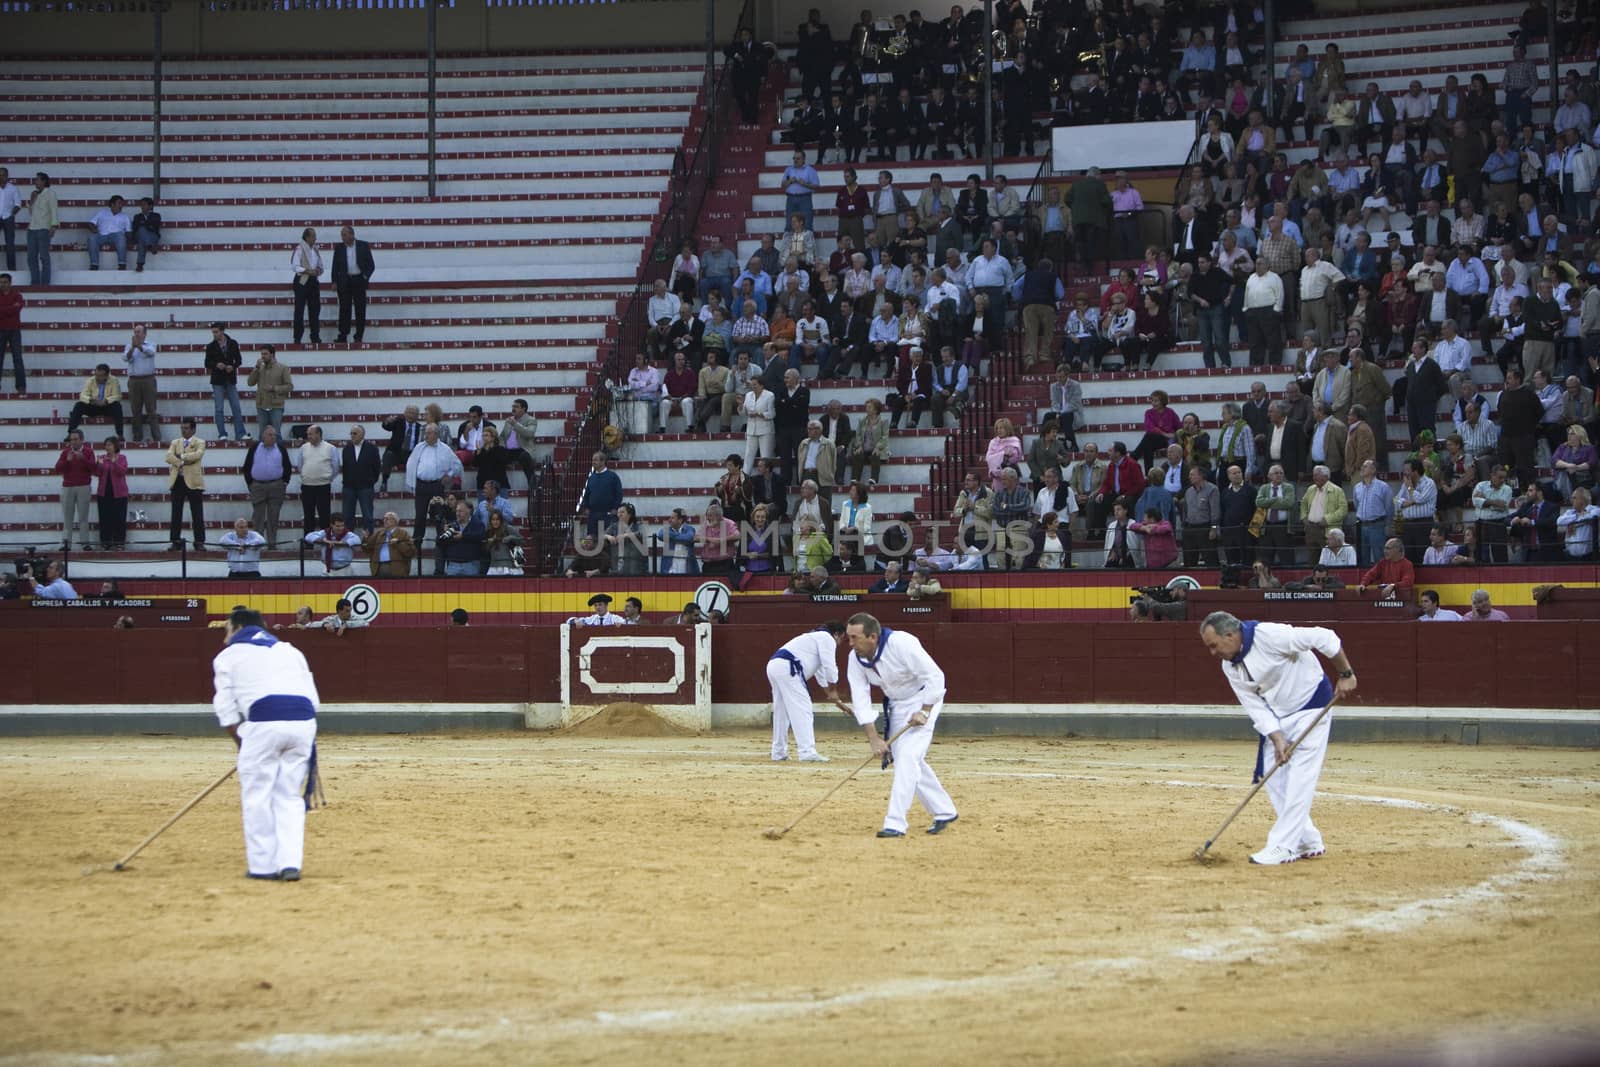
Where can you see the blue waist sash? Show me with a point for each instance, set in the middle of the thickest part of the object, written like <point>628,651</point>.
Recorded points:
<point>282,709</point>
<point>1320,698</point>
<point>795,667</point>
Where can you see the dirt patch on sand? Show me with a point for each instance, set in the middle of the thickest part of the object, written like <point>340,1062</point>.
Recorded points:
<point>627,719</point>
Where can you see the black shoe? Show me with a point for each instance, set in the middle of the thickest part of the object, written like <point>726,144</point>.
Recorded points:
<point>176,546</point>
<point>891,833</point>
<point>939,824</point>
<point>262,877</point>
<point>341,339</point>
<point>289,874</point>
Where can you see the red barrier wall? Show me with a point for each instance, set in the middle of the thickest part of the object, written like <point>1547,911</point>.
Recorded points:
<point>1521,664</point>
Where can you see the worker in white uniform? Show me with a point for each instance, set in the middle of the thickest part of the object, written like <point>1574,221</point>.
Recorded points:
<point>913,693</point>
<point>1275,672</point>
<point>267,700</point>
<point>603,615</point>
<point>813,656</point>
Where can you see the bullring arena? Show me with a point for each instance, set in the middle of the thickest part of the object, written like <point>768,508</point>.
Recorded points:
<point>578,897</point>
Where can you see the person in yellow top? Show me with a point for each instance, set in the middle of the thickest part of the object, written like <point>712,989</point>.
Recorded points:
<point>43,218</point>
<point>186,457</point>
<point>100,395</point>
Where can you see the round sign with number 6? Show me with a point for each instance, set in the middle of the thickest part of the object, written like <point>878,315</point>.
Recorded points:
<point>364,604</point>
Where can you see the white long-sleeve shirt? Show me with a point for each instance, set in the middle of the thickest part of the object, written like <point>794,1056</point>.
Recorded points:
<point>259,678</point>
<point>1277,672</point>
<point>245,554</point>
<point>817,652</point>
<point>904,672</point>
<point>430,463</point>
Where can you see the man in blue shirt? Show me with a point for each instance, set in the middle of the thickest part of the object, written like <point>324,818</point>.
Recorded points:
<point>799,182</point>
<point>602,493</point>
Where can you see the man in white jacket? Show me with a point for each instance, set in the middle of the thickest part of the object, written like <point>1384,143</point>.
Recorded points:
<point>913,695</point>
<point>267,701</point>
<point>812,655</point>
<point>1276,675</point>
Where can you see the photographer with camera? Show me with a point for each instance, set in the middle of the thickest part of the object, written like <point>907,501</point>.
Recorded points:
<point>54,586</point>
<point>462,542</point>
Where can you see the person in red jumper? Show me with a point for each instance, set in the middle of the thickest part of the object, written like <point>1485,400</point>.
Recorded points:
<point>1393,573</point>
<point>11,304</point>
<point>76,465</point>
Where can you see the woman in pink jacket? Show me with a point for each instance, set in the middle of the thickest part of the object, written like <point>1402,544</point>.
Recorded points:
<point>1160,423</point>
<point>1005,450</point>
<point>1160,546</point>
<point>111,494</point>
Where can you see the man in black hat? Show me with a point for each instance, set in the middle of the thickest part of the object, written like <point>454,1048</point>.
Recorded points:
<point>601,603</point>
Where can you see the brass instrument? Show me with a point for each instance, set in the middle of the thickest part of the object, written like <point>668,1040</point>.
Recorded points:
<point>1096,57</point>
<point>898,45</point>
<point>1001,44</point>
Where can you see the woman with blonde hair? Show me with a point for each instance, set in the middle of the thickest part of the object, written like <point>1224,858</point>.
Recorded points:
<point>1005,450</point>
<point>870,445</point>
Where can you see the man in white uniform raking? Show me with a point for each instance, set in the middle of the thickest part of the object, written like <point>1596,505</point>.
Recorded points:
<point>913,695</point>
<point>1275,672</point>
<point>267,701</point>
<point>813,655</point>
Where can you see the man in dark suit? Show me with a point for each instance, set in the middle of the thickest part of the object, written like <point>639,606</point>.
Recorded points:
<point>1256,413</point>
<point>792,412</point>
<point>405,433</point>
<point>1194,236</point>
<point>940,119</point>
<point>836,428</point>
<point>361,466</point>
<point>853,345</point>
<point>1374,118</point>
<point>1429,228</point>
<point>1286,442</point>
<point>352,270</point>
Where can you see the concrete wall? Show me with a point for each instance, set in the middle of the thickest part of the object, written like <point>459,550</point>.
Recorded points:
<point>189,32</point>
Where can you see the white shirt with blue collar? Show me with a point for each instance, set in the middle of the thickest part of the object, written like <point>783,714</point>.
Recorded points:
<point>904,672</point>
<point>1276,674</point>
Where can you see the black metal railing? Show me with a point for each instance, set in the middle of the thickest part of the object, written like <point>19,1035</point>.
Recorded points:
<point>965,445</point>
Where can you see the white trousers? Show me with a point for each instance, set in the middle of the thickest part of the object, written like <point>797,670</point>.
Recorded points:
<point>273,760</point>
<point>791,709</point>
<point>1293,787</point>
<point>913,778</point>
<point>758,445</point>
<point>685,405</point>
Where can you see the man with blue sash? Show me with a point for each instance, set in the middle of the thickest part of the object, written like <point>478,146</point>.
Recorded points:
<point>1275,673</point>
<point>913,695</point>
<point>812,655</point>
<point>267,701</point>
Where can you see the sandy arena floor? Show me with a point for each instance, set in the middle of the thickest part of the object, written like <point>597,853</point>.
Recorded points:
<point>528,899</point>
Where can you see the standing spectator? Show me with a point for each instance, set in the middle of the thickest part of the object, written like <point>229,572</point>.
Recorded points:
<point>1491,498</point>
<point>462,543</point>
<point>223,362</point>
<point>1319,281</point>
<point>109,226</point>
<point>266,470</point>
<point>1124,546</point>
<point>187,480</point>
<point>718,266</point>
<point>76,465</point>
<point>1091,210</point>
<point>1277,500</point>
<point>44,217</point>
<point>1416,503</point>
<point>1201,511</point>
<point>305,264</point>
<point>405,432</point>
<point>602,495</point>
<point>1005,450</point>
<point>111,495</point>
<point>430,468</point>
<point>11,304</point>
<point>1237,506</point>
<point>748,60</point>
<point>99,396</point>
<point>759,408</point>
<point>146,232</point>
<point>1212,290</point>
<point>140,356</point>
<point>1577,525</point>
<point>800,182</point>
<point>1039,292</point>
<point>353,268</point>
<point>1322,508</point>
<point>338,543</point>
<point>10,205</point>
<point>1263,312</point>
<point>1125,204</point>
<point>390,549</point>
<point>318,466</point>
<point>361,469</point>
<point>273,384</point>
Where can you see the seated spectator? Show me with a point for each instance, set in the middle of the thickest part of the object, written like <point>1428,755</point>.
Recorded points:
<point>892,581</point>
<point>342,619</point>
<point>711,396</point>
<point>1081,335</point>
<point>1428,601</point>
<point>1320,578</point>
<point>1441,551</point>
<point>846,560</point>
<point>1483,610</point>
<point>1575,461</point>
<point>1577,525</point>
<point>100,396</point>
<point>462,541</point>
<point>390,549</point>
<point>812,549</point>
<point>923,583</point>
<point>815,582</point>
<point>338,543</point>
<point>763,552</point>
<point>1055,548</point>
<point>1160,546</point>
<point>1124,546</point>
<point>244,547</point>
<point>55,585</point>
<point>469,436</point>
<point>1335,553</point>
<point>1393,574</point>
<point>1261,577</point>
<point>590,559</point>
<point>678,390</point>
<point>1160,424</point>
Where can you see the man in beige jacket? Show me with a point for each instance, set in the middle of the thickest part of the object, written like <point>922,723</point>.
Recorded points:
<point>186,456</point>
<point>273,385</point>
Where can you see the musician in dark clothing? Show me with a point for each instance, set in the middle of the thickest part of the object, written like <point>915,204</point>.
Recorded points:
<point>814,55</point>
<point>748,60</point>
